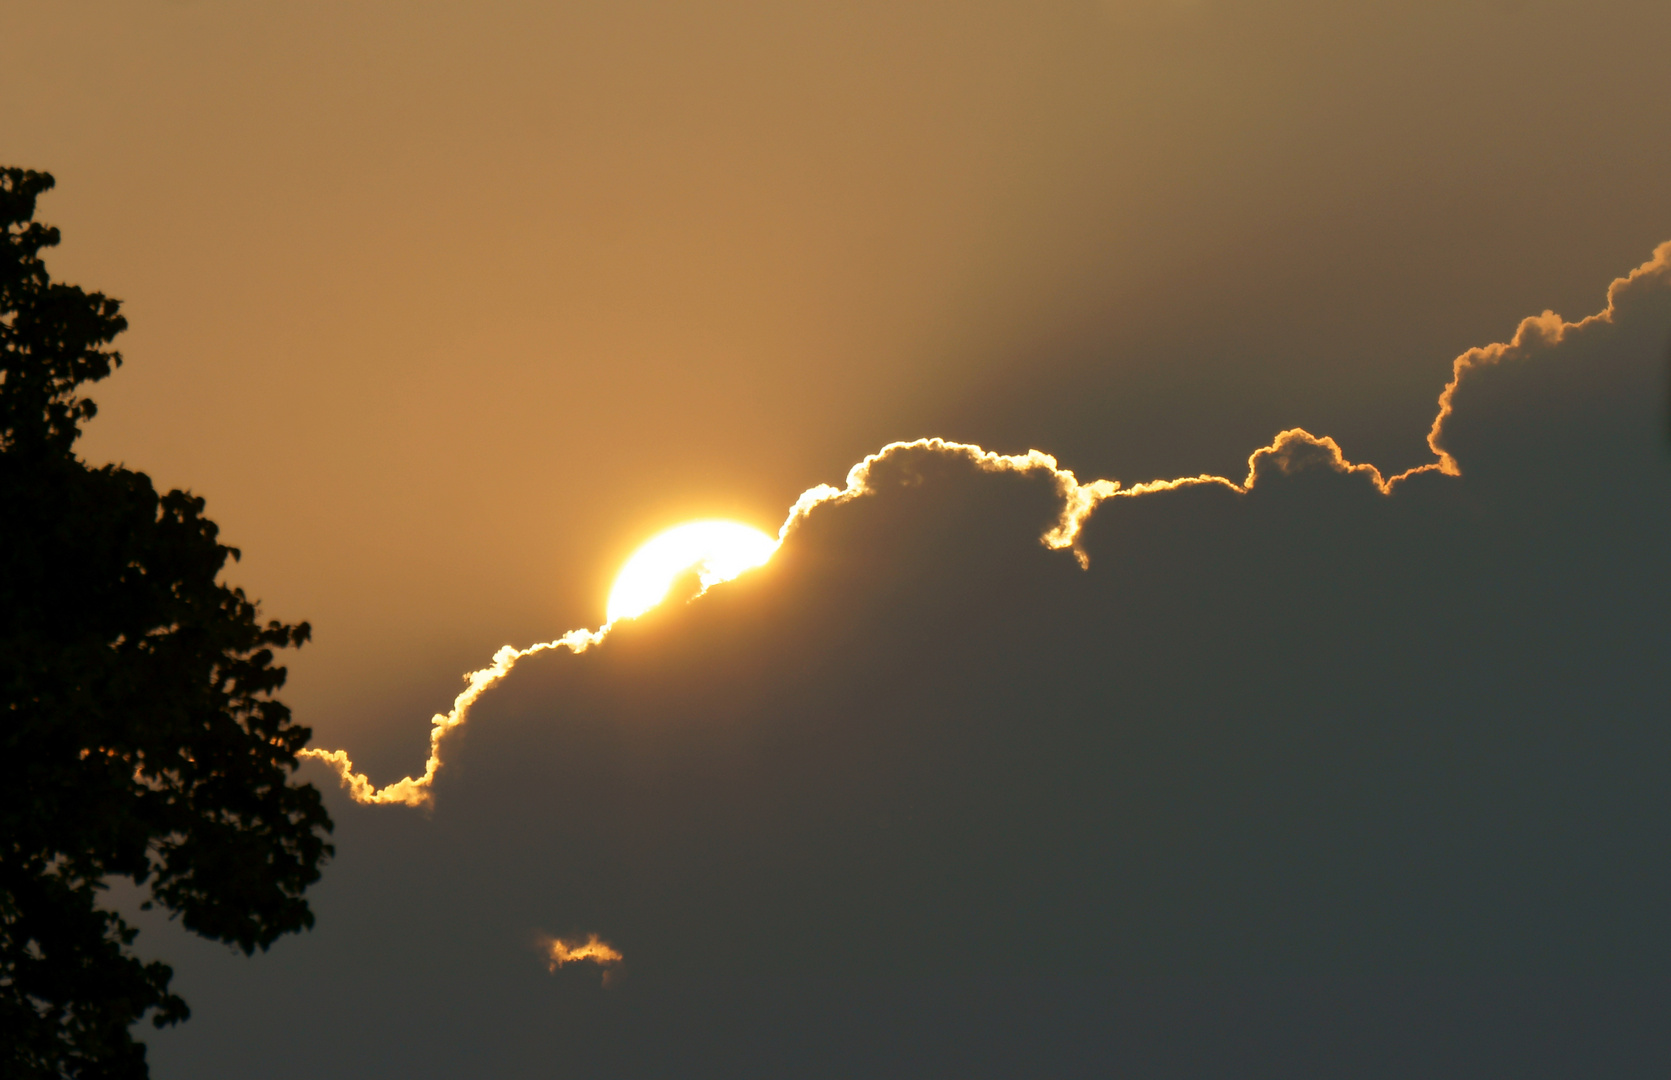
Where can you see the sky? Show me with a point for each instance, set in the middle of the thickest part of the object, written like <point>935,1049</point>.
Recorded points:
<point>446,309</point>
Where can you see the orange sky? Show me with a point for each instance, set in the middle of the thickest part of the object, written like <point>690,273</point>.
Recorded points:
<point>446,308</point>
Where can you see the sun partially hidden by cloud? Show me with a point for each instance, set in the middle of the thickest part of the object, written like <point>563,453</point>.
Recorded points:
<point>716,550</point>
<point>719,551</point>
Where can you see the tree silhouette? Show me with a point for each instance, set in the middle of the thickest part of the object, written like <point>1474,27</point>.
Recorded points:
<point>140,737</point>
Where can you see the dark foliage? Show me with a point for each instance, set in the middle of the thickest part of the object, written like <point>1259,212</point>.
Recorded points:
<point>140,737</point>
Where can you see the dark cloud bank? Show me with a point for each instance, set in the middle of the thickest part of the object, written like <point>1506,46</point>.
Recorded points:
<point>1303,781</point>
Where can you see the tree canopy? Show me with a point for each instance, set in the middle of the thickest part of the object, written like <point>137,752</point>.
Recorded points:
<point>141,738</point>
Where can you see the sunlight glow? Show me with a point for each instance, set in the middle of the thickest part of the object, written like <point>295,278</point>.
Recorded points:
<point>716,550</point>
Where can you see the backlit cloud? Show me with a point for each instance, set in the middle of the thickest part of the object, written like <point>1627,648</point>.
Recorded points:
<point>1291,452</point>
<point>591,951</point>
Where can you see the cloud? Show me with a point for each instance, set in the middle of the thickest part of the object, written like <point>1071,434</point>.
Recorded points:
<point>1318,735</point>
<point>1639,298</point>
<point>415,791</point>
<point>1309,719</point>
<point>1302,724</point>
<point>593,950</point>
<point>1291,452</point>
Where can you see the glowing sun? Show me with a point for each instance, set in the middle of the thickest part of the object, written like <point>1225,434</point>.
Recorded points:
<point>717,550</point>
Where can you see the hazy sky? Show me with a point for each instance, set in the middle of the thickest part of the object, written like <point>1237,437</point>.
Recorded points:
<point>446,308</point>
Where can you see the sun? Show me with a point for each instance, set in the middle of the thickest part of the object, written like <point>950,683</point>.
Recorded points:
<point>717,550</point>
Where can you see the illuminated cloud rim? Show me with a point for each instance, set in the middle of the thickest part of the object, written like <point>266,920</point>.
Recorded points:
<point>1291,451</point>
<point>593,950</point>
